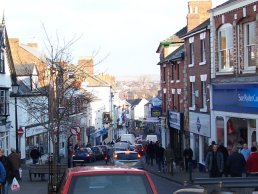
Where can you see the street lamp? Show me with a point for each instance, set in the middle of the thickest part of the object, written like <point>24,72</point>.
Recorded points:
<point>15,88</point>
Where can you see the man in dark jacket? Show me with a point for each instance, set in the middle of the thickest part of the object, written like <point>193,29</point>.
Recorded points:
<point>160,156</point>
<point>188,156</point>
<point>35,155</point>
<point>15,161</point>
<point>224,151</point>
<point>236,163</point>
<point>150,152</point>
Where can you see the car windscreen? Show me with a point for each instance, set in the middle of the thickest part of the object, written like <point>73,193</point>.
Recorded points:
<point>125,156</point>
<point>110,183</point>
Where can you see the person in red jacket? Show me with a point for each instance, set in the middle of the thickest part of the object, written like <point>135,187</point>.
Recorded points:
<point>252,162</point>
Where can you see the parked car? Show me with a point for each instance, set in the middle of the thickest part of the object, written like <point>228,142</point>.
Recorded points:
<point>97,180</point>
<point>97,152</point>
<point>127,158</point>
<point>121,146</point>
<point>83,155</point>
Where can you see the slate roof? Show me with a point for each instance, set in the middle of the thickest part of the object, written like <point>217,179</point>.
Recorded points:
<point>134,102</point>
<point>175,38</point>
<point>225,3</point>
<point>202,26</point>
<point>24,69</point>
<point>174,56</point>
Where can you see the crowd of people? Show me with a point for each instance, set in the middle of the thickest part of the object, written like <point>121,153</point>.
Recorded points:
<point>241,160</point>
<point>9,169</point>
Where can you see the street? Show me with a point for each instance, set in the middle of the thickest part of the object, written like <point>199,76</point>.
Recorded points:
<point>164,186</point>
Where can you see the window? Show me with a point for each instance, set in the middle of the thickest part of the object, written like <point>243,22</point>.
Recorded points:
<point>4,102</point>
<point>249,44</point>
<point>2,70</point>
<point>203,56</point>
<point>191,54</point>
<point>192,92</point>
<point>225,48</point>
<point>173,101</point>
<point>178,72</point>
<point>204,94</point>
<point>178,102</point>
<point>172,72</point>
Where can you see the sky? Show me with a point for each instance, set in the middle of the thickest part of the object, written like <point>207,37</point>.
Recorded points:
<point>123,34</point>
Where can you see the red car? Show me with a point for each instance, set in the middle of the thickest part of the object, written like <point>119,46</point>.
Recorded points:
<point>100,180</point>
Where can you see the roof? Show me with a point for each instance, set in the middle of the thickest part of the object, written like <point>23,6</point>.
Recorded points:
<point>202,26</point>
<point>174,56</point>
<point>175,38</point>
<point>227,2</point>
<point>24,69</point>
<point>134,102</point>
<point>34,51</point>
<point>105,169</point>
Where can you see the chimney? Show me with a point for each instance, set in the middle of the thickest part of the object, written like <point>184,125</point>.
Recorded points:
<point>198,12</point>
<point>87,63</point>
<point>14,41</point>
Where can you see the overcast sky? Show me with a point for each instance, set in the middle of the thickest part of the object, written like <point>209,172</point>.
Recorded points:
<point>128,31</point>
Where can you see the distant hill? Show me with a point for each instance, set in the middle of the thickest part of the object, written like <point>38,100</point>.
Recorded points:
<point>134,78</point>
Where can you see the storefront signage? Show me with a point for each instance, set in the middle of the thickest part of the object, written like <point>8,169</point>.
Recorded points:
<point>156,111</point>
<point>199,124</point>
<point>176,120</point>
<point>236,98</point>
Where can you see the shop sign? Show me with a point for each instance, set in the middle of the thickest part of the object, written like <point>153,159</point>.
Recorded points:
<point>156,111</point>
<point>199,124</point>
<point>236,98</point>
<point>176,120</point>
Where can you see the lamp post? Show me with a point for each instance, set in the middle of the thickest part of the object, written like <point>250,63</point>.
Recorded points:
<point>15,88</point>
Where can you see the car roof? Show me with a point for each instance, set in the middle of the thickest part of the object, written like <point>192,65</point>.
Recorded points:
<point>104,170</point>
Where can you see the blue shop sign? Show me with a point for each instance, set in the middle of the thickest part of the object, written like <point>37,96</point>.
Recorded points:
<point>236,98</point>
<point>156,111</point>
<point>176,120</point>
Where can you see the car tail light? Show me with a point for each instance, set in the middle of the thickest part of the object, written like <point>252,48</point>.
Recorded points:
<point>142,150</point>
<point>73,155</point>
<point>138,156</point>
<point>115,156</point>
<point>88,155</point>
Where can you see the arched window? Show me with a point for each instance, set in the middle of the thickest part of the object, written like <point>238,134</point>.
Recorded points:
<point>225,48</point>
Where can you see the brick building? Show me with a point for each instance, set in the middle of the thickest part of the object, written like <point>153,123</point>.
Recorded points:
<point>234,62</point>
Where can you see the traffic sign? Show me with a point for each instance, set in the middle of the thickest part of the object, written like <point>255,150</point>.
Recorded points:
<point>20,132</point>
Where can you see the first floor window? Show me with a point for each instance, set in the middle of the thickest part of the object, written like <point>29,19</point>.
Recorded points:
<point>204,94</point>
<point>249,42</point>
<point>192,94</point>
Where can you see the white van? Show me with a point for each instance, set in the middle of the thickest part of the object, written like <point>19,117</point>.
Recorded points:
<point>152,138</point>
<point>128,137</point>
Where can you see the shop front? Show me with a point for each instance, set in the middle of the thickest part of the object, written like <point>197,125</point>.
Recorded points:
<point>176,129</point>
<point>235,114</point>
<point>199,128</point>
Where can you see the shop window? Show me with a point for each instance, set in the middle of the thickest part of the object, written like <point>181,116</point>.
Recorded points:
<point>249,43</point>
<point>225,48</point>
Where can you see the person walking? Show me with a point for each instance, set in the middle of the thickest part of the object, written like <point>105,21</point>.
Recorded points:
<point>2,178</point>
<point>160,156</point>
<point>35,155</point>
<point>15,161</point>
<point>224,152</point>
<point>245,151</point>
<point>8,169</point>
<point>235,163</point>
<point>188,156</point>
<point>169,158</point>
<point>214,162</point>
<point>252,162</point>
<point>150,153</point>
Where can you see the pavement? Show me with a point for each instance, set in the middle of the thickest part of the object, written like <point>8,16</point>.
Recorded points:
<point>179,176</point>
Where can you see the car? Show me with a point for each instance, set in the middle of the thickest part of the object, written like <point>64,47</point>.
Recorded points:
<point>106,179</point>
<point>127,158</point>
<point>140,149</point>
<point>121,146</point>
<point>97,152</point>
<point>83,155</point>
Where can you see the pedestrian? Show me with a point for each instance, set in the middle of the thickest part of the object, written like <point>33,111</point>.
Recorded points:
<point>224,151</point>
<point>254,144</point>
<point>252,162</point>
<point>156,146</point>
<point>245,151</point>
<point>150,153</point>
<point>8,169</point>
<point>210,146</point>
<point>214,162</point>
<point>236,163</point>
<point>160,156</point>
<point>35,155</point>
<point>2,177</point>
<point>169,158</point>
<point>15,161</point>
<point>188,156</point>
